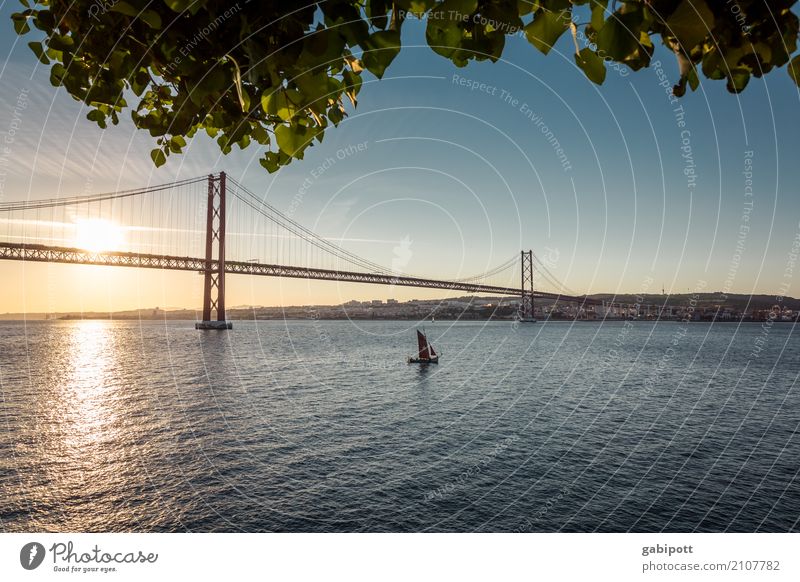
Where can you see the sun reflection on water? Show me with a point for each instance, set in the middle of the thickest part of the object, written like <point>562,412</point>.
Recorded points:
<point>87,423</point>
<point>81,462</point>
<point>87,396</point>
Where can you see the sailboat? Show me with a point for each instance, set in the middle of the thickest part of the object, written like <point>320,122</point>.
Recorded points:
<point>427,355</point>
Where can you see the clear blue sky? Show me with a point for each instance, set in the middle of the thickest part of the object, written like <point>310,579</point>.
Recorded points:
<point>471,178</point>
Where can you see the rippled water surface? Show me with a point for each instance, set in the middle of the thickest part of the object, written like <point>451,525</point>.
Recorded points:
<point>322,426</point>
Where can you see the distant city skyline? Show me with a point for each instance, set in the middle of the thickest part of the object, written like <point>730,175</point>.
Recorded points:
<point>629,189</point>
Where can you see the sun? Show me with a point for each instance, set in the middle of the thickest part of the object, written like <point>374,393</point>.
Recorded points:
<point>97,235</point>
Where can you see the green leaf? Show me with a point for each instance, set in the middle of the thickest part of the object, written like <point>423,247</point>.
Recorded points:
<point>293,139</point>
<point>546,28</point>
<point>314,86</point>
<point>443,36</point>
<point>592,65</point>
<point>456,8</point>
<point>352,85</point>
<point>445,33</point>
<point>794,70</point>
<point>694,80</point>
<point>713,65</point>
<point>416,7</point>
<point>21,25</point>
<point>525,7</point>
<point>679,90</point>
<point>691,22</point>
<point>124,8</point>
<point>98,117</point>
<point>260,134</point>
<point>270,161</point>
<point>37,49</point>
<point>598,14</point>
<point>619,37</point>
<point>281,103</point>
<point>139,82</point>
<point>151,18</point>
<point>60,42</point>
<point>738,79</point>
<point>57,74</point>
<point>181,5</point>
<point>159,157</point>
<point>335,114</point>
<point>266,97</point>
<point>224,144</point>
<point>382,47</point>
<point>376,11</point>
<point>213,83</point>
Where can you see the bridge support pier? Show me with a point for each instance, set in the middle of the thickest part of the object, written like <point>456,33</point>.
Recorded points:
<point>526,288</point>
<point>214,284</point>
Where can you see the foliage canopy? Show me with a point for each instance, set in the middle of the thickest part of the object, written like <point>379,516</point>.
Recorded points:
<point>279,73</point>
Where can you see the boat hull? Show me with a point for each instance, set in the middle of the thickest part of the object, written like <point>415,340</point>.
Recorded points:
<point>213,325</point>
<point>433,360</point>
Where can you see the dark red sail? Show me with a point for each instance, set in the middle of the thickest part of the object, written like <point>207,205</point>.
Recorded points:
<point>423,346</point>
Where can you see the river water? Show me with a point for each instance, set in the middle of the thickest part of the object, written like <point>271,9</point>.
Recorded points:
<point>322,426</point>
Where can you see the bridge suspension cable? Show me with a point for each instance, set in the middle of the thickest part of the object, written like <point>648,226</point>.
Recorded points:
<point>513,262</point>
<point>259,205</point>
<point>542,269</point>
<point>169,221</point>
<point>86,199</point>
<point>274,215</point>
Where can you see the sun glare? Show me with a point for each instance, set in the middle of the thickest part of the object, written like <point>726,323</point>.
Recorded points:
<point>97,235</point>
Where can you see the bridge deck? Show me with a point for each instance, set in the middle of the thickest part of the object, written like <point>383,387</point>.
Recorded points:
<point>75,256</point>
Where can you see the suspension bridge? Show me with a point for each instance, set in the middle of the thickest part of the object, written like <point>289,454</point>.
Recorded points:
<point>164,227</point>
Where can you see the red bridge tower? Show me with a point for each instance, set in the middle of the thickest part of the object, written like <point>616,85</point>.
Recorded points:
<point>526,304</point>
<point>214,272</point>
